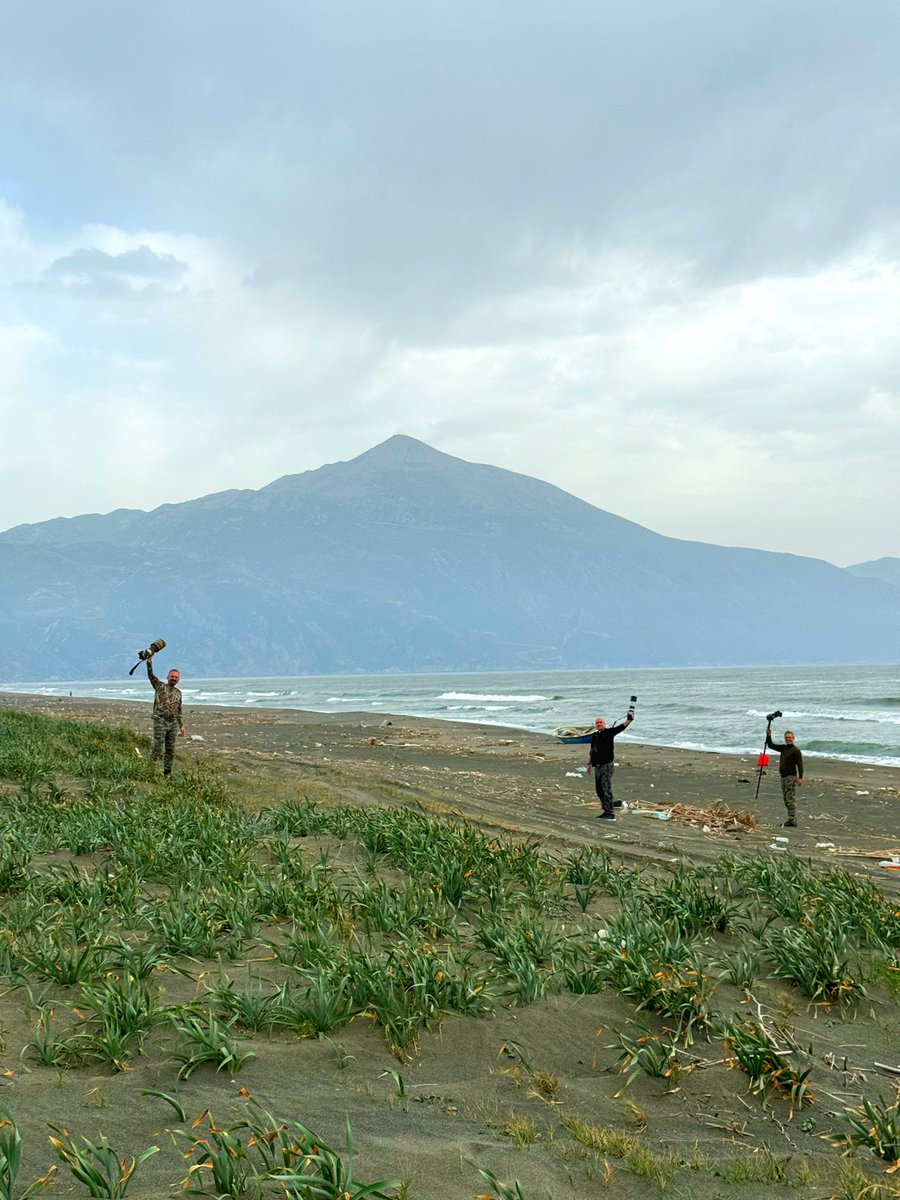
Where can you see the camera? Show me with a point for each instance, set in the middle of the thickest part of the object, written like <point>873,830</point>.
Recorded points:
<point>631,706</point>
<point>770,717</point>
<point>159,644</point>
<point>152,649</point>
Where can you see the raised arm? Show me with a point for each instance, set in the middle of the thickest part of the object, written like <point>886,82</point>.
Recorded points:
<point>153,680</point>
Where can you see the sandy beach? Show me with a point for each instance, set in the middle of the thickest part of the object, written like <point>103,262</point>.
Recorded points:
<point>517,781</point>
<point>498,1092</point>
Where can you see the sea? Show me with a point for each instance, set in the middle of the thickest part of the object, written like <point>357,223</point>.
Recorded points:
<point>844,712</point>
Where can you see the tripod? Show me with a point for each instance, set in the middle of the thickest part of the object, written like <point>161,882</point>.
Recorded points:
<point>764,758</point>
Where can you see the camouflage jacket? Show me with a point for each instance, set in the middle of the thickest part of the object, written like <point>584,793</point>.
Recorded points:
<point>167,705</point>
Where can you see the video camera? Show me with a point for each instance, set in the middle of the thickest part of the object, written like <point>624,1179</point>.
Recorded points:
<point>631,708</point>
<point>770,717</point>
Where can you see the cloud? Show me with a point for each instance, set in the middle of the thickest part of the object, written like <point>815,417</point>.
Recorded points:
<point>139,273</point>
<point>648,253</point>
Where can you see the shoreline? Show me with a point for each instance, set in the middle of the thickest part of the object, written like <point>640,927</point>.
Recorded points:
<point>307,715</point>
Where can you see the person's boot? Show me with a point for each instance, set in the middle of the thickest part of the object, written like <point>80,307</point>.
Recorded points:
<point>617,803</point>
<point>606,816</point>
<point>790,823</point>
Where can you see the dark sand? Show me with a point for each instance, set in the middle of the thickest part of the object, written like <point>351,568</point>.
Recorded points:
<point>462,1085</point>
<point>516,781</point>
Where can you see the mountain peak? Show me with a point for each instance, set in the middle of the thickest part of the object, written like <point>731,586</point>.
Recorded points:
<point>403,449</point>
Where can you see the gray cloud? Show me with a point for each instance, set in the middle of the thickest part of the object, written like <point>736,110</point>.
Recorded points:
<point>655,219</point>
<point>140,264</point>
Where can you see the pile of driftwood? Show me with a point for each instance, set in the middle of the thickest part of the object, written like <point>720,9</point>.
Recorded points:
<point>719,816</point>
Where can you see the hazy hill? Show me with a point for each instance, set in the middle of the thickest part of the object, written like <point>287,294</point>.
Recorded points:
<point>408,559</point>
<point>887,569</point>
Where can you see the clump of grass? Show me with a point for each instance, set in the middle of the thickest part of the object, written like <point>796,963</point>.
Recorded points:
<point>875,1125</point>
<point>652,1056</point>
<point>814,955</point>
<point>11,1163</point>
<point>637,1158</point>
<point>768,1066</point>
<point>99,1168</point>
<point>206,1041</point>
<point>520,1128</point>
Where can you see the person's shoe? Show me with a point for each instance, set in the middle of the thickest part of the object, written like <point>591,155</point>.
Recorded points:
<point>166,774</point>
<point>617,803</point>
<point>605,816</point>
<point>790,823</point>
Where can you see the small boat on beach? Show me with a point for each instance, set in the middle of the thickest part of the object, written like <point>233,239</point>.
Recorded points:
<point>573,736</point>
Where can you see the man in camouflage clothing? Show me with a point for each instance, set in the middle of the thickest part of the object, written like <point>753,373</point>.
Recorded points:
<point>790,768</point>
<point>167,721</point>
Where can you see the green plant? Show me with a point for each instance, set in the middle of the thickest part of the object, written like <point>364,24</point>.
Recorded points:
<point>503,1191</point>
<point>815,956</point>
<point>11,1163</point>
<point>651,1056</point>
<point>97,1165</point>
<point>231,1171</point>
<point>48,1049</point>
<point>324,1174</point>
<point>209,1041</point>
<point>874,1125</point>
<point>252,1010</point>
<point>750,1047</point>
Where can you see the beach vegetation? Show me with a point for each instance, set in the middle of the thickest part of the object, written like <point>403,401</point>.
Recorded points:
<point>205,1039</point>
<point>500,1190</point>
<point>113,887</point>
<point>652,1056</point>
<point>96,1165</point>
<point>874,1126</point>
<point>769,1067</point>
<point>11,1147</point>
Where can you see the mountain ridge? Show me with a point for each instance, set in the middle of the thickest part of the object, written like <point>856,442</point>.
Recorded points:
<point>406,558</point>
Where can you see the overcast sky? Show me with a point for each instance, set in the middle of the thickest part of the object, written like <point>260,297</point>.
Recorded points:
<point>647,252</point>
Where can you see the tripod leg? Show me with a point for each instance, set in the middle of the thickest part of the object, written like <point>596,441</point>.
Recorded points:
<point>761,769</point>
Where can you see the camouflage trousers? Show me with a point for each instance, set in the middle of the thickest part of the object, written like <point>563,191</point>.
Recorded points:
<point>603,784</point>
<point>789,794</point>
<point>164,735</point>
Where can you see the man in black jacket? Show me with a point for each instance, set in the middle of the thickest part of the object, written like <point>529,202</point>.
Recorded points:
<point>790,768</point>
<point>602,763</point>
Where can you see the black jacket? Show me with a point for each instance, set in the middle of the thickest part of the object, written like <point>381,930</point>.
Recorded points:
<point>791,762</point>
<point>602,749</point>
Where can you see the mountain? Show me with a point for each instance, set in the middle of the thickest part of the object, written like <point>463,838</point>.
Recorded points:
<point>407,559</point>
<point>887,569</point>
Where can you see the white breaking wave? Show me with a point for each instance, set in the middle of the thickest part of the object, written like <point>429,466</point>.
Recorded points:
<point>490,699</point>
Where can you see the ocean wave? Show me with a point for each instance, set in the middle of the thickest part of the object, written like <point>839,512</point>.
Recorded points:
<point>873,718</point>
<point>864,750</point>
<point>488,698</point>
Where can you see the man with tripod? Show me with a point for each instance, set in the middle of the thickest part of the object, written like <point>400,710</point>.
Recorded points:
<point>790,768</point>
<point>602,763</point>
